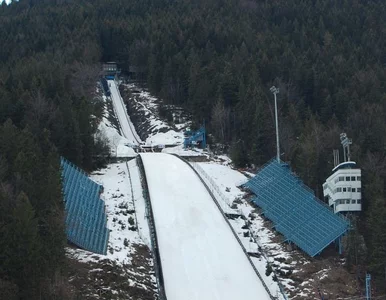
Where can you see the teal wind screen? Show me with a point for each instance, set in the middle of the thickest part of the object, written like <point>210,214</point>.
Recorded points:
<point>295,211</point>
<point>85,211</point>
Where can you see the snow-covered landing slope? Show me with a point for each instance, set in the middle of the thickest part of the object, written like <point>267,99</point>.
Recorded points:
<point>126,125</point>
<point>201,259</point>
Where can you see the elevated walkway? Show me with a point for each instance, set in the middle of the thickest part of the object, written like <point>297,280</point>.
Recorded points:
<point>301,217</point>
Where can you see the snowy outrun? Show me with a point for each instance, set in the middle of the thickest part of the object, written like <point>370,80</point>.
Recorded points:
<point>200,257</point>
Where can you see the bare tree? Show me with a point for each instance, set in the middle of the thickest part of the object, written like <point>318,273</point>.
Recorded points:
<point>220,119</point>
<point>375,163</point>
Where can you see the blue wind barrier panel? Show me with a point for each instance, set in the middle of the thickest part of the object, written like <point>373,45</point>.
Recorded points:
<point>85,212</point>
<point>195,137</point>
<point>292,206</point>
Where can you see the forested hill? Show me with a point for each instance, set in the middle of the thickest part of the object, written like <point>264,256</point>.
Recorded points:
<point>218,58</point>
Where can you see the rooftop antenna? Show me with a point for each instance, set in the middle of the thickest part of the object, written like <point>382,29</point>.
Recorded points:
<point>346,142</point>
<point>335,153</point>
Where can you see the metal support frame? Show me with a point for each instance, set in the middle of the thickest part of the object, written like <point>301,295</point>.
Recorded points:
<point>203,145</point>
<point>85,211</point>
<point>346,142</point>
<point>340,245</point>
<point>281,195</point>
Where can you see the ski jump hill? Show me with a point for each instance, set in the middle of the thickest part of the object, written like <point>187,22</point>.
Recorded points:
<point>201,258</point>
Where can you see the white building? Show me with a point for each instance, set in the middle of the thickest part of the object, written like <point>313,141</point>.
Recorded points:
<point>343,188</point>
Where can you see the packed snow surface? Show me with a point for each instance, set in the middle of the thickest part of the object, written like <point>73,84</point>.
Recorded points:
<point>200,257</point>
<point>122,193</point>
<point>126,125</point>
<point>227,182</point>
<point>119,146</point>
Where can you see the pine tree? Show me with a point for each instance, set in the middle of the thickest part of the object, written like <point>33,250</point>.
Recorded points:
<point>20,248</point>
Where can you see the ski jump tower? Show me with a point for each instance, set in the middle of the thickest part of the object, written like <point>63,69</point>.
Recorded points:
<point>110,70</point>
<point>342,189</point>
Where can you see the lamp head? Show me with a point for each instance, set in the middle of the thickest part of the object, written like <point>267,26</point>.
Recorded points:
<point>274,90</point>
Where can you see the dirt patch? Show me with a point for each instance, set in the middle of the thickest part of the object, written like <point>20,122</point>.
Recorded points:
<point>327,276</point>
<point>105,279</point>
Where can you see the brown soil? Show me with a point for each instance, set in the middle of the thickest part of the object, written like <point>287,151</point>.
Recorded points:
<point>107,280</point>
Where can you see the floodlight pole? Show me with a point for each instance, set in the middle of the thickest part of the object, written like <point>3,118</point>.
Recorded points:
<point>368,286</point>
<point>275,91</point>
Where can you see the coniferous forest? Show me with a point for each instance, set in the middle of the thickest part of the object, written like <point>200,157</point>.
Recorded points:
<point>216,58</point>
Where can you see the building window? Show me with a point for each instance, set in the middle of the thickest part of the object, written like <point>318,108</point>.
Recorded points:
<point>359,178</point>
<point>358,190</point>
<point>353,190</point>
<point>348,189</point>
<point>348,178</point>
<point>353,201</point>
<point>359,201</point>
<point>344,190</point>
<point>352,178</point>
<point>341,178</point>
<point>338,190</point>
<point>347,201</point>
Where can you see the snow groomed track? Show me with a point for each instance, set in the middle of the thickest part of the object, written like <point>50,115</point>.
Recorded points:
<point>200,257</point>
<point>126,125</point>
